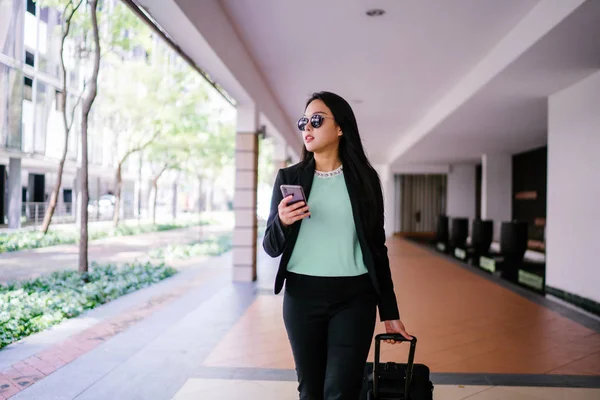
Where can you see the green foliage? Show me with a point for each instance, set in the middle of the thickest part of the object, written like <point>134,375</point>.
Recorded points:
<point>31,306</point>
<point>212,246</point>
<point>33,239</point>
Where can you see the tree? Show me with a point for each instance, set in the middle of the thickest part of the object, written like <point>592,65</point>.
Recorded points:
<point>123,32</point>
<point>171,152</point>
<point>184,128</point>
<point>86,107</point>
<point>140,105</point>
<point>69,11</point>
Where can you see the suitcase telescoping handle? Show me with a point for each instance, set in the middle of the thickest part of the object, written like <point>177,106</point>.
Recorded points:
<point>409,367</point>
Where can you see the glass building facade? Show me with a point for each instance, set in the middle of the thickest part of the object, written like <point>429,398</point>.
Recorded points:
<point>31,81</point>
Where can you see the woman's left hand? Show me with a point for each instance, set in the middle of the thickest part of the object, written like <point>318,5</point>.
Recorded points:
<point>396,326</point>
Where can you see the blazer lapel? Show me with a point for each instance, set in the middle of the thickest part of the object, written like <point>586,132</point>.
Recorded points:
<point>305,177</point>
<point>354,204</point>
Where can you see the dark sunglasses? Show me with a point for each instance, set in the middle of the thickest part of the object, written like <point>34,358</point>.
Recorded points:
<point>316,121</point>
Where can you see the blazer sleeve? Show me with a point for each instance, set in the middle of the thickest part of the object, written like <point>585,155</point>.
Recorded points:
<point>275,233</point>
<point>388,305</point>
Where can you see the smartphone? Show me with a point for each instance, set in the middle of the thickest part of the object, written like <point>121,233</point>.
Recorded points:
<point>296,191</point>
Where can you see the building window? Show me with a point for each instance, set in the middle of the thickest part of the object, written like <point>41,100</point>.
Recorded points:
<point>44,14</point>
<point>28,89</point>
<point>29,59</point>
<point>59,100</point>
<point>42,114</point>
<point>31,7</point>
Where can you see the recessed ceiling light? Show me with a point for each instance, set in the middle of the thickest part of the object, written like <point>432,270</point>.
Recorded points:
<point>375,12</point>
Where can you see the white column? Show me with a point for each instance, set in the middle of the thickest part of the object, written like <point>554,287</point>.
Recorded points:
<point>573,212</point>
<point>496,189</point>
<point>246,166</point>
<point>461,191</point>
<point>14,193</point>
<point>389,202</point>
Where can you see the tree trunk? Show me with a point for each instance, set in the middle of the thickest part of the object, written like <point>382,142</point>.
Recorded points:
<point>155,192</point>
<point>200,194</point>
<point>87,106</point>
<point>174,205</point>
<point>63,103</point>
<point>119,184</point>
<point>154,196</point>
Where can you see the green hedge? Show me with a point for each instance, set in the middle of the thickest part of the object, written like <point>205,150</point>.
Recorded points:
<point>34,239</point>
<point>212,246</point>
<point>31,306</point>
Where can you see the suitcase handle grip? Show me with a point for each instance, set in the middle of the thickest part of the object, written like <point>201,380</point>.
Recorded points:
<point>409,367</point>
<point>394,336</point>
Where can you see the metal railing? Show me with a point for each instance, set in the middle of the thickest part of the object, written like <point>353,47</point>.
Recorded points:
<point>33,213</point>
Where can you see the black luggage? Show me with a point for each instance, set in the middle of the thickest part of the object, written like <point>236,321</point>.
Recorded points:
<point>393,381</point>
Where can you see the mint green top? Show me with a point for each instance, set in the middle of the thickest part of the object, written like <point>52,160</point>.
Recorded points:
<point>327,244</point>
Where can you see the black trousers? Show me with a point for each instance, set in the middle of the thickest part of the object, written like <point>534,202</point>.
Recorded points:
<point>330,323</point>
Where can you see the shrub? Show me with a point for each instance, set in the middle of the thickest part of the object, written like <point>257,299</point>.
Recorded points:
<point>34,305</point>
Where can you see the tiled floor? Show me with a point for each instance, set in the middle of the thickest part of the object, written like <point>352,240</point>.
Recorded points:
<point>464,324</point>
<point>481,338</point>
<point>217,389</point>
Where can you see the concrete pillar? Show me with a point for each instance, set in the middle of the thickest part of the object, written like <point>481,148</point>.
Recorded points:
<point>461,194</point>
<point>246,166</point>
<point>390,204</point>
<point>573,215</point>
<point>14,193</point>
<point>496,189</point>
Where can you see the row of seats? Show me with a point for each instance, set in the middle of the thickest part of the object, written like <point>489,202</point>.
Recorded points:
<point>508,262</point>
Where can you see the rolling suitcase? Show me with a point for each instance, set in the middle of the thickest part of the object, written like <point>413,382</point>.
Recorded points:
<point>393,381</point>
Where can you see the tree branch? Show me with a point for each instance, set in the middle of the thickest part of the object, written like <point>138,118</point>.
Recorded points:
<point>79,100</point>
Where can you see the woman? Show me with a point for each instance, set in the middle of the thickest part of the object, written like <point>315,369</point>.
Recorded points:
<point>335,264</point>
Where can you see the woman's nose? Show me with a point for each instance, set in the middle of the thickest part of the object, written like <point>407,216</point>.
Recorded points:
<point>308,127</point>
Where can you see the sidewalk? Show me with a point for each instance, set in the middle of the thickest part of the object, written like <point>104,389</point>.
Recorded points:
<point>30,263</point>
<point>197,335</point>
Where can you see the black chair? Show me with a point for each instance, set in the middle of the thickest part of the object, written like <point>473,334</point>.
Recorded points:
<point>460,232</point>
<point>441,235</point>
<point>482,236</point>
<point>513,240</point>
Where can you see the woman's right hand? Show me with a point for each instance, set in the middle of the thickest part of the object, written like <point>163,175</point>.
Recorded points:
<point>292,213</point>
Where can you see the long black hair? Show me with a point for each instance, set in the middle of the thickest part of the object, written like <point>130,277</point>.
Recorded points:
<point>356,165</point>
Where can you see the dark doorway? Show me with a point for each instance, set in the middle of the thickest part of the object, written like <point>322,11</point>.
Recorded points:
<point>422,200</point>
<point>478,187</point>
<point>529,193</point>
<point>39,188</point>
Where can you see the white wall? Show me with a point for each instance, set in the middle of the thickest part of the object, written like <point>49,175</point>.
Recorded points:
<point>573,214</point>
<point>461,191</point>
<point>389,202</point>
<point>496,189</point>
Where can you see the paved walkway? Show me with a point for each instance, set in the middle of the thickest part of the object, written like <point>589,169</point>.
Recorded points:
<point>29,263</point>
<point>199,336</point>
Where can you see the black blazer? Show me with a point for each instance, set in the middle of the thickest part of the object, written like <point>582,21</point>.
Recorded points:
<point>280,240</point>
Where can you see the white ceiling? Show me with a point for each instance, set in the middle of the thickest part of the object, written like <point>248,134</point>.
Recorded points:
<point>510,113</point>
<point>433,82</point>
<point>396,66</point>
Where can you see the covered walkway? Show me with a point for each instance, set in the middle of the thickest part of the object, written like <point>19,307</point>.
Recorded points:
<point>198,335</point>
<point>472,110</point>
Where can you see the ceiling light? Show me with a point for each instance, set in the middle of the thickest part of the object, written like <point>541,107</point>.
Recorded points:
<point>375,12</point>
